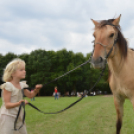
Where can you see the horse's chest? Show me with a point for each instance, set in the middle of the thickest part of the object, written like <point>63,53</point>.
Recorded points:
<point>120,88</point>
<point>123,92</point>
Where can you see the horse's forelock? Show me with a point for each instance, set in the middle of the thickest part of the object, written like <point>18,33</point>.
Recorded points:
<point>104,23</point>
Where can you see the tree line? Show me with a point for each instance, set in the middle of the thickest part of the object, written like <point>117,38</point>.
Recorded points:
<point>43,66</point>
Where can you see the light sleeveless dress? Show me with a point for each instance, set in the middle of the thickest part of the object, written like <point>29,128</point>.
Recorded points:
<point>7,116</point>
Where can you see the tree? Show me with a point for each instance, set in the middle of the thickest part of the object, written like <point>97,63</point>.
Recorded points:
<point>44,66</point>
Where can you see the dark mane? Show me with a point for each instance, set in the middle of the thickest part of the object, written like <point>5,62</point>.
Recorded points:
<point>122,43</point>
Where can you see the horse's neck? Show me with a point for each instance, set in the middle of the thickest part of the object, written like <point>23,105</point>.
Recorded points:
<point>116,63</point>
<point>120,66</point>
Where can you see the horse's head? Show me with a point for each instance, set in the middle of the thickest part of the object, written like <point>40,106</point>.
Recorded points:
<point>105,34</point>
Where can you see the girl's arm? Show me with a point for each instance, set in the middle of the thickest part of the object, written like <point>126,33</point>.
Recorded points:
<point>7,100</point>
<point>32,94</point>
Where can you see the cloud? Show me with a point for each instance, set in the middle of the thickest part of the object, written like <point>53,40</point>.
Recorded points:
<point>19,48</point>
<point>56,24</point>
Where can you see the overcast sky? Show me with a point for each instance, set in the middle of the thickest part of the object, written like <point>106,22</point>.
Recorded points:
<point>26,25</point>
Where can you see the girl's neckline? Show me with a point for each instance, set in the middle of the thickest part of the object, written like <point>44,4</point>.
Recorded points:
<point>16,87</point>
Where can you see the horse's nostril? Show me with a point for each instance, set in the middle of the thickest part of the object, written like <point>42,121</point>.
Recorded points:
<point>100,59</point>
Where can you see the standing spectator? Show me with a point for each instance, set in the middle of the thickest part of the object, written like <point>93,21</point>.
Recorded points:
<point>33,97</point>
<point>56,93</point>
<point>94,93</point>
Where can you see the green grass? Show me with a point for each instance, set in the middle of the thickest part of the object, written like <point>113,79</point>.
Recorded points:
<point>92,115</point>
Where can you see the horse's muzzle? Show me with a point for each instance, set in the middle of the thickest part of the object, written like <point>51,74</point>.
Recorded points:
<point>98,63</point>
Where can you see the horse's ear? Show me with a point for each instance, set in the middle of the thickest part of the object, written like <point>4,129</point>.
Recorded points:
<point>117,20</point>
<point>95,22</point>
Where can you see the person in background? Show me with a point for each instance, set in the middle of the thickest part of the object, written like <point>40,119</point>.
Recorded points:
<point>56,93</point>
<point>94,93</point>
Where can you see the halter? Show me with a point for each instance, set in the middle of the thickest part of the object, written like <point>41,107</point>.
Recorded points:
<point>107,55</point>
<point>115,41</point>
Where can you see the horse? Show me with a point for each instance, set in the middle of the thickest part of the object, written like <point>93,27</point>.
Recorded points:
<point>108,37</point>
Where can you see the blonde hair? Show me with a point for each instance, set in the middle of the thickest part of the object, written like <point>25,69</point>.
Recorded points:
<point>11,68</point>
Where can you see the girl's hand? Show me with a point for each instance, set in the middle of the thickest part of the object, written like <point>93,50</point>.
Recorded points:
<point>26,102</point>
<point>21,101</point>
<point>39,86</point>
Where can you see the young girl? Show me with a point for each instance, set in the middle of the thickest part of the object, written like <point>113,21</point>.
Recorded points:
<point>12,96</point>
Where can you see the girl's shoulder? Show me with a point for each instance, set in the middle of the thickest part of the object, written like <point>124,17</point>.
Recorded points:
<point>23,84</point>
<point>8,86</point>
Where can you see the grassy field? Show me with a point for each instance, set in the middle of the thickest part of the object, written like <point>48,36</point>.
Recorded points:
<point>93,115</point>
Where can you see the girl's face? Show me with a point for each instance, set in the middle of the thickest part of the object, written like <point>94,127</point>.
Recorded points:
<point>20,73</point>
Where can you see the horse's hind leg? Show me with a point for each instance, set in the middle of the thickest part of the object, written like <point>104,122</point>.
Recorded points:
<point>118,102</point>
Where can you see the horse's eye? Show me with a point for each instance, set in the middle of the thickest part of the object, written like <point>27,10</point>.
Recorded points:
<point>111,35</point>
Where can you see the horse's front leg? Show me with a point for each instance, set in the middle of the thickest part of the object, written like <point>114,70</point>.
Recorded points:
<point>118,102</point>
<point>132,100</point>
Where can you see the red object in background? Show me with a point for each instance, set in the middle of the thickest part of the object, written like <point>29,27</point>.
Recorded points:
<point>55,90</point>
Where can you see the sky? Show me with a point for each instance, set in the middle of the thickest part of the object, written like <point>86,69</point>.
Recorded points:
<point>27,25</point>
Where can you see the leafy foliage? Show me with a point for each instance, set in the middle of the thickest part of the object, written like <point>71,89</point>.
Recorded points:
<point>43,66</point>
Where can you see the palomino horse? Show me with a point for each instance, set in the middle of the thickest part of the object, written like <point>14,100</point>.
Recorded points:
<point>108,35</point>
